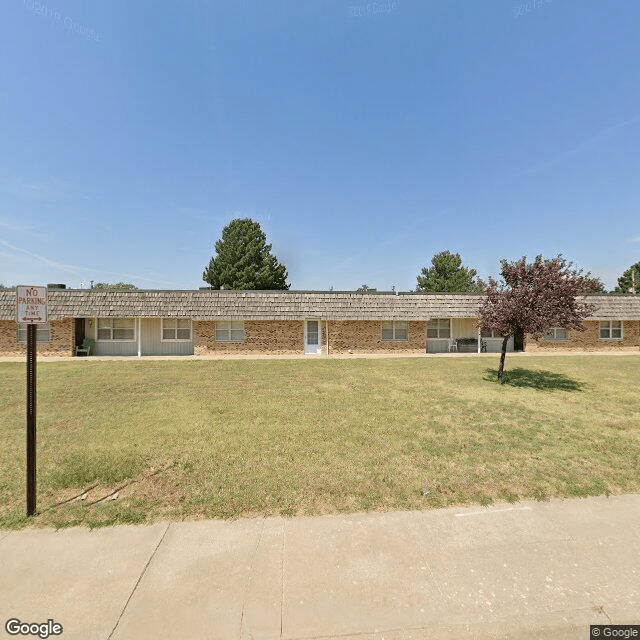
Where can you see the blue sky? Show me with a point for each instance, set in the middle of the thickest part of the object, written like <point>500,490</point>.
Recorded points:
<point>364,137</point>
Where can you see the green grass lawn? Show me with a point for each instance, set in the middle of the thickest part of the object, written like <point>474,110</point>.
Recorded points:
<point>222,439</point>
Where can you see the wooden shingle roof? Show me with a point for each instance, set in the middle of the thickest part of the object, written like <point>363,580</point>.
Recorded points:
<point>614,307</point>
<point>282,305</point>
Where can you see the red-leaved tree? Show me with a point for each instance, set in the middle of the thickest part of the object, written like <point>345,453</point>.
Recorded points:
<point>535,297</point>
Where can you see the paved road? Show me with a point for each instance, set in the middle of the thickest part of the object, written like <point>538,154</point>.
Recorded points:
<point>524,571</point>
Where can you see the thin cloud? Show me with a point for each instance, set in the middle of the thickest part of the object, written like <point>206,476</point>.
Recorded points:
<point>389,241</point>
<point>601,136</point>
<point>30,189</point>
<point>77,270</point>
<point>634,239</point>
<point>13,225</point>
<point>7,258</point>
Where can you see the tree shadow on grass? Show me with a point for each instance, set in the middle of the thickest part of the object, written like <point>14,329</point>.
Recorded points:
<point>541,380</point>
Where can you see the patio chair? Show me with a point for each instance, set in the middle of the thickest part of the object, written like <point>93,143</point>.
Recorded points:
<point>453,345</point>
<point>86,347</point>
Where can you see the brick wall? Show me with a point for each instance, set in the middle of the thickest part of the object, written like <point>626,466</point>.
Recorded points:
<point>589,340</point>
<point>365,336</point>
<point>61,343</point>
<point>287,337</point>
<point>262,336</point>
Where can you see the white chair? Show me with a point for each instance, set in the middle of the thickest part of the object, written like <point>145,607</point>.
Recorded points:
<point>453,345</point>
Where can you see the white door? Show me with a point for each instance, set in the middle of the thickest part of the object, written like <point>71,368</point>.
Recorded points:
<point>312,337</point>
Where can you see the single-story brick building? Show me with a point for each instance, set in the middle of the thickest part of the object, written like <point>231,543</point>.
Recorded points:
<point>205,322</point>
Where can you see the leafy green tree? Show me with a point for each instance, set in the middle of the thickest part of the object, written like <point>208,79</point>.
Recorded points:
<point>365,288</point>
<point>118,286</point>
<point>447,274</point>
<point>244,260</point>
<point>629,281</point>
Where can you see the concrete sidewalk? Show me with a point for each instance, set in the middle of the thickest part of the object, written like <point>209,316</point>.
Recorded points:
<point>626,351</point>
<point>524,571</point>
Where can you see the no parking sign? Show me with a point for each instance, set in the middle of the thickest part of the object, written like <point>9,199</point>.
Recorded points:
<point>31,304</point>
<point>31,309</point>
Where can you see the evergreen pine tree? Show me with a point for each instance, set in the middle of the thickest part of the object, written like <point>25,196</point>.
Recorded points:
<point>244,260</point>
<point>447,274</point>
<point>629,281</point>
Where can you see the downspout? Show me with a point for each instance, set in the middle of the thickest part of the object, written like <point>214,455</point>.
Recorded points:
<point>139,340</point>
<point>426,339</point>
<point>326,322</point>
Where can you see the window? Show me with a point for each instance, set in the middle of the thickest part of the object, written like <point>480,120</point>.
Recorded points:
<point>230,331</point>
<point>313,332</point>
<point>43,333</point>
<point>116,329</point>
<point>439,328</point>
<point>611,330</point>
<point>485,333</point>
<point>556,333</point>
<point>176,329</point>
<point>394,330</point>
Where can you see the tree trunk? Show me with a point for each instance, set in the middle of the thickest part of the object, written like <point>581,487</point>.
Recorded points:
<point>502,357</point>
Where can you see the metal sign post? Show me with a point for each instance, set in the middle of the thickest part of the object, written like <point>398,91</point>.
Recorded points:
<point>31,419</point>
<point>31,308</point>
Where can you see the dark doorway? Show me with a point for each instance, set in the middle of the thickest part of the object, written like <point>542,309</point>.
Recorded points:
<point>79,332</point>
<point>518,340</point>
